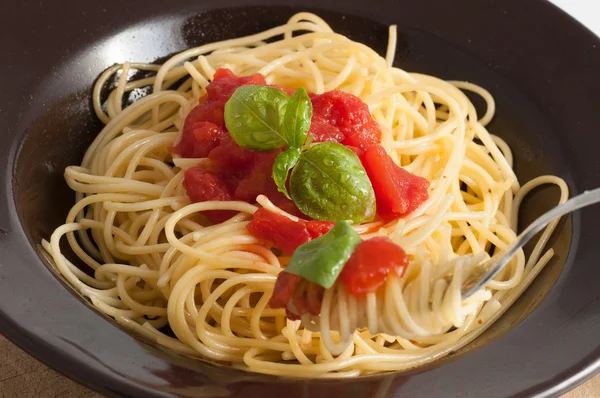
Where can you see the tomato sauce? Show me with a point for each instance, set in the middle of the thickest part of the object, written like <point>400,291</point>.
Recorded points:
<point>371,263</point>
<point>234,173</point>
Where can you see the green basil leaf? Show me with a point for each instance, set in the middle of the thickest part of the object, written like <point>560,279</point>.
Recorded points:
<point>321,260</point>
<point>254,117</point>
<point>281,167</point>
<point>330,183</point>
<point>296,121</point>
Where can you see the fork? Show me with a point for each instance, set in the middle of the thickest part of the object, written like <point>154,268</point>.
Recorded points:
<point>489,268</point>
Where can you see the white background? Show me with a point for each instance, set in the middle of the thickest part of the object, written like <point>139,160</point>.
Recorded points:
<point>586,11</point>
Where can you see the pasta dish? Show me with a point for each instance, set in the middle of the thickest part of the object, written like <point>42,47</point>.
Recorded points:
<point>291,203</point>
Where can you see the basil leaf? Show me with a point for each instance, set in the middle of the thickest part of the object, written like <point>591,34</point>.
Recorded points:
<point>321,260</point>
<point>281,167</point>
<point>296,121</point>
<point>254,116</point>
<point>330,183</point>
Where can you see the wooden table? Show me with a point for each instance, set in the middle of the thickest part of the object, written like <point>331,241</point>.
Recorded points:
<point>21,376</point>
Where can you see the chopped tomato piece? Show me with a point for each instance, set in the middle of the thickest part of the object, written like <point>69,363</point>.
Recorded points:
<point>209,111</point>
<point>318,228</point>
<point>314,297</point>
<point>225,82</point>
<point>397,191</point>
<point>297,295</point>
<point>198,138</point>
<point>357,151</point>
<point>202,185</point>
<point>371,263</point>
<point>259,180</point>
<point>363,140</point>
<point>204,126</point>
<point>306,299</point>
<point>349,115</point>
<point>284,288</point>
<point>229,157</point>
<point>284,233</point>
<point>322,131</point>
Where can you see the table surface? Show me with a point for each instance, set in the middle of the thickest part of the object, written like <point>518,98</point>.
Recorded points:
<point>23,376</point>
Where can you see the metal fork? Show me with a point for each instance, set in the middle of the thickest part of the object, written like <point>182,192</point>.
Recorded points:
<point>488,269</point>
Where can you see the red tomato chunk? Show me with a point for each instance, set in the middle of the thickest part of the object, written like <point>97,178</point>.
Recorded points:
<point>202,185</point>
<point>284,288</point>
<point>342,117</point>
<point>297,295</point>
<point>284,233</point>
<point>198,137</point>
<point>397,191</point>
<point>370,264</point>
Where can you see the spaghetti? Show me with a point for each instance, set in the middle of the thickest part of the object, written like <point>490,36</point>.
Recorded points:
<point>155,262</point>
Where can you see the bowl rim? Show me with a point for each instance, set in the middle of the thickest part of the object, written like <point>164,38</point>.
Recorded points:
<point>27,322</point>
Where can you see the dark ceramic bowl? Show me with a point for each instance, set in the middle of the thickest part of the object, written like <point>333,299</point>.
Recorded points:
<point>541,66</point>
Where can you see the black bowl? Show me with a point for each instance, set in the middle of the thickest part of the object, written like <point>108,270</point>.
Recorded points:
<point>541,66</point>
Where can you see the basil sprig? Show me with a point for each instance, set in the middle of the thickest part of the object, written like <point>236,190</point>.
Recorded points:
<point>321,260</point>
<point>296,122</point>
<point>327,182</point>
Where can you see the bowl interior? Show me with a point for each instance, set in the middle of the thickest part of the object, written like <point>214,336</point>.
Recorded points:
<point>63,124</point>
